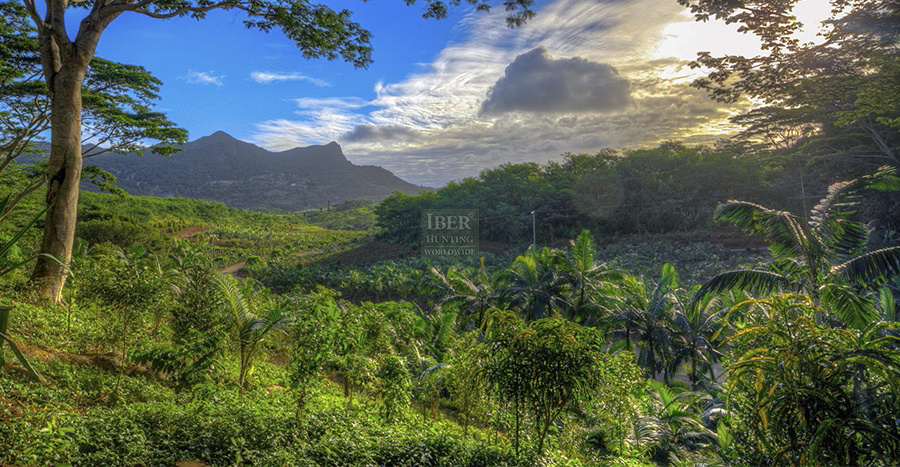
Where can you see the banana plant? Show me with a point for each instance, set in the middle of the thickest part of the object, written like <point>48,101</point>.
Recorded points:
<point>822,256</point>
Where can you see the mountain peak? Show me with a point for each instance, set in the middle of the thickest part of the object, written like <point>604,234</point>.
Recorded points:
<point>220,139</point>
<point>222,168</point>
<point>220,136</point>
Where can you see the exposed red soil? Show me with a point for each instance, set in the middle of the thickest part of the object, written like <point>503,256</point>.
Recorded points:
<point>189,232</point>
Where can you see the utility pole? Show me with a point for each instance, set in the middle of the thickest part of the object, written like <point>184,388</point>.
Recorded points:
<point>533,231</point>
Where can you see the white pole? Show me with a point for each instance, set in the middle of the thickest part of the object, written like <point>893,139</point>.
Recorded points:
<point>533,231</point>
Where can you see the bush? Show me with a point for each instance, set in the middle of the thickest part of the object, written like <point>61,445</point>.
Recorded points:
<point>122,233</point>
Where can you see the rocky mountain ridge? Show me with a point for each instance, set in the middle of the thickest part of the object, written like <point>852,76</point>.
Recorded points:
<point>222,168</point>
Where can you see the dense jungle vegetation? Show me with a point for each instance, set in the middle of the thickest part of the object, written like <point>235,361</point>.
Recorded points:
<point>639,351</point>
<point>734,304</point>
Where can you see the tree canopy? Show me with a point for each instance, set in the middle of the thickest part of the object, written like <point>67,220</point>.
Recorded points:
<point>844,87</point>
<point>118,104</point>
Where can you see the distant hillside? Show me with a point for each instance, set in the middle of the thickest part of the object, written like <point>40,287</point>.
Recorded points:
<point>221,168</point>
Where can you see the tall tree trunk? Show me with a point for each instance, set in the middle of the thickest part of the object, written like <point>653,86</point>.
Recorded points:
<point>64,64</point>
<point>64,175</point>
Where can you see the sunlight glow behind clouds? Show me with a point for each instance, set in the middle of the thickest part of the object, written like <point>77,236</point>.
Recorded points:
<point>427,128</point>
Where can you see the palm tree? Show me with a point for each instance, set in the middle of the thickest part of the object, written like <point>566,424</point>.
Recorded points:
<point>250,328</point>
<point>673,427</point>
<point>821,256</point>
<point>647,314</point>
<point>695,337</point>
<point>594,291</point>
<point>536,284</point>
<point>472,297</point>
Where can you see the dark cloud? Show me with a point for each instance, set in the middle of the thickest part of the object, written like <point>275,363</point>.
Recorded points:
<point>367,133</point>
<point>536,83</point>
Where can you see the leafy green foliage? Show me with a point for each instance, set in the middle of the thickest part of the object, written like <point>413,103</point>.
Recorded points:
<point>804,251</point>
<point>668,188</point>
<point>841,88</point>
<point>250,326</point>
<point>806,393</point>
<point>673,429</point>
<point>194,362</point>
<point>550,366</point>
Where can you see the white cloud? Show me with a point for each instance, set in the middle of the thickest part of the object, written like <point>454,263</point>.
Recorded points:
<point>427,127</point>
<point>203,77</point>
<point>320,120</point>
<point>266,77</point>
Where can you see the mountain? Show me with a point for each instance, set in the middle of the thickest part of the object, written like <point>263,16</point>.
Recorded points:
<point>219,167</point>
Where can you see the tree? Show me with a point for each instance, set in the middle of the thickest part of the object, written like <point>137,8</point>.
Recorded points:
<point>593,285</point>
<point>117,114</point>
<point>314,336</point>
<point>550,366</point>
<point>249,328</point>
<point>473,297</point>
<point>806,250</point>
<point>536,283</point>
<point>806,394</point>
<point>317,30</point>
<point>847,81</point>
<point>648,313</point>
<point>695,337</point>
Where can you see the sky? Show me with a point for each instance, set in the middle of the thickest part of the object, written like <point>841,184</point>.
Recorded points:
<point>446,99</point>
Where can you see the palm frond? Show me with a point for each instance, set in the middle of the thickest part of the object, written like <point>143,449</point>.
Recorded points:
<point>236,301</point>
<point>885,179</point>
<point>583,251</point>
<point>24,361</point>
<point>871,269</point>
<point>887,305</point>
<point>831,218</point>
<point>783,232</point>
<point>755,281</point>
<point>854,309</point>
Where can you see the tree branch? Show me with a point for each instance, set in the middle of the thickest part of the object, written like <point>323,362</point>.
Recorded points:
<point>32,10</point>
<point>56,17</point>
<point>29,190</point>
<point>117,8</point>
<point>139,7</point>
<point>866,125</point>
<point>182,11</point>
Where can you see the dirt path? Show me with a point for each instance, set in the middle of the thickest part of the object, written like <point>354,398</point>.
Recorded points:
<point>189,232</point>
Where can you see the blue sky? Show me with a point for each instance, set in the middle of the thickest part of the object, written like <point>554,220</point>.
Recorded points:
<point>445,99</point>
